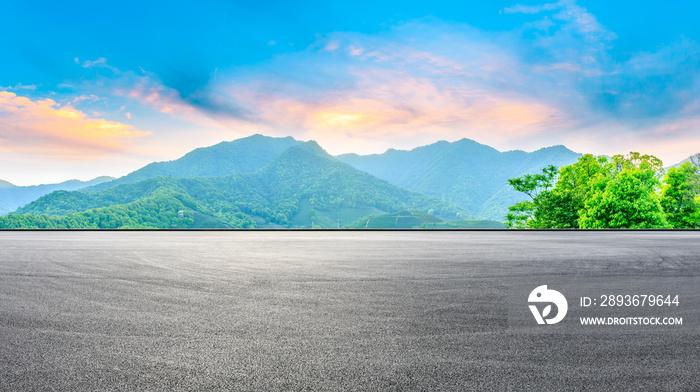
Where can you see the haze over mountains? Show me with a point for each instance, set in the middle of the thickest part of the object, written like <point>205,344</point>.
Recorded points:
<point>302,187</point>
<point>464,172</point>
<point>12,196</point>
<point>467,173</point>
<point>261,181</point>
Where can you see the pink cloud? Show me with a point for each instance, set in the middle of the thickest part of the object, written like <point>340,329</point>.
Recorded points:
<point>331,46</point>
<point>149,91</point>
<point>356,51</point>
<point>44,127</point>
<point>144,88</point>
<point>386,105</point>
<point>157,96</point>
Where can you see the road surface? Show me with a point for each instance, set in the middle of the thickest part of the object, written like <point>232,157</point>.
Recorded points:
<point>246,310</point>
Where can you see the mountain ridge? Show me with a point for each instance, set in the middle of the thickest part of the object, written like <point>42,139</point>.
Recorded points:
<point>244,155</point>
<point>303,187</point>
<point>465,172</point>
<point>14,196</point>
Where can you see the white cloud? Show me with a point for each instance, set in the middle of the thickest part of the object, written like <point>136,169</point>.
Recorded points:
<point>19,86</point>
<point>532,9</point>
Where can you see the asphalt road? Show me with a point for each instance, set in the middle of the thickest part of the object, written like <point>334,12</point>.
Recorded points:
<point>271,311</point>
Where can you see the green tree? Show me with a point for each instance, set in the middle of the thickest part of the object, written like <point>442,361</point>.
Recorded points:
<point>680,196</point>
<point>563,208</point>
<point>624,195</point>
<point>521,214</point>
<point>623,202</point>
<point>620,192</point>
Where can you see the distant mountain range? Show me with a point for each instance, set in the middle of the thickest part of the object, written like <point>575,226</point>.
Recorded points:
<point>261,181</point>
<point>466,173</point>
<point>302,187</point>
<point>12,196</point>
<point>471,175</point>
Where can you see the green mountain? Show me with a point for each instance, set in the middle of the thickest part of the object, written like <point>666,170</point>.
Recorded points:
<point>302,187</point>
<point>12,196</point>
<point>471,175</point>
<point>262,181</point>
<point>244,155</point>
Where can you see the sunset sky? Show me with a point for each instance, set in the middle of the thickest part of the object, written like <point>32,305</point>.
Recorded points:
<point>90,89</point>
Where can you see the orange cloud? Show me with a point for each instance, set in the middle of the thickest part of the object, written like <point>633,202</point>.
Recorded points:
<point>42,126</point>
<point>389,105</point>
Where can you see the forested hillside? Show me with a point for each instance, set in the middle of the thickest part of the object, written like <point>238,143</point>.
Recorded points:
<point>244,155</point>
<point>471,175</point>
<point>466,173</point>
<point>264,182</point>
<point>302,187</point>
<point>12,196</point>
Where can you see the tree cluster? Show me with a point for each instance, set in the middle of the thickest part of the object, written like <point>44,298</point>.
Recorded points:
<point>622,192</point>
<point>159,212</point>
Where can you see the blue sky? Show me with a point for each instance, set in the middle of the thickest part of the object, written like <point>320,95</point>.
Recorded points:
<point>90,89</point>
